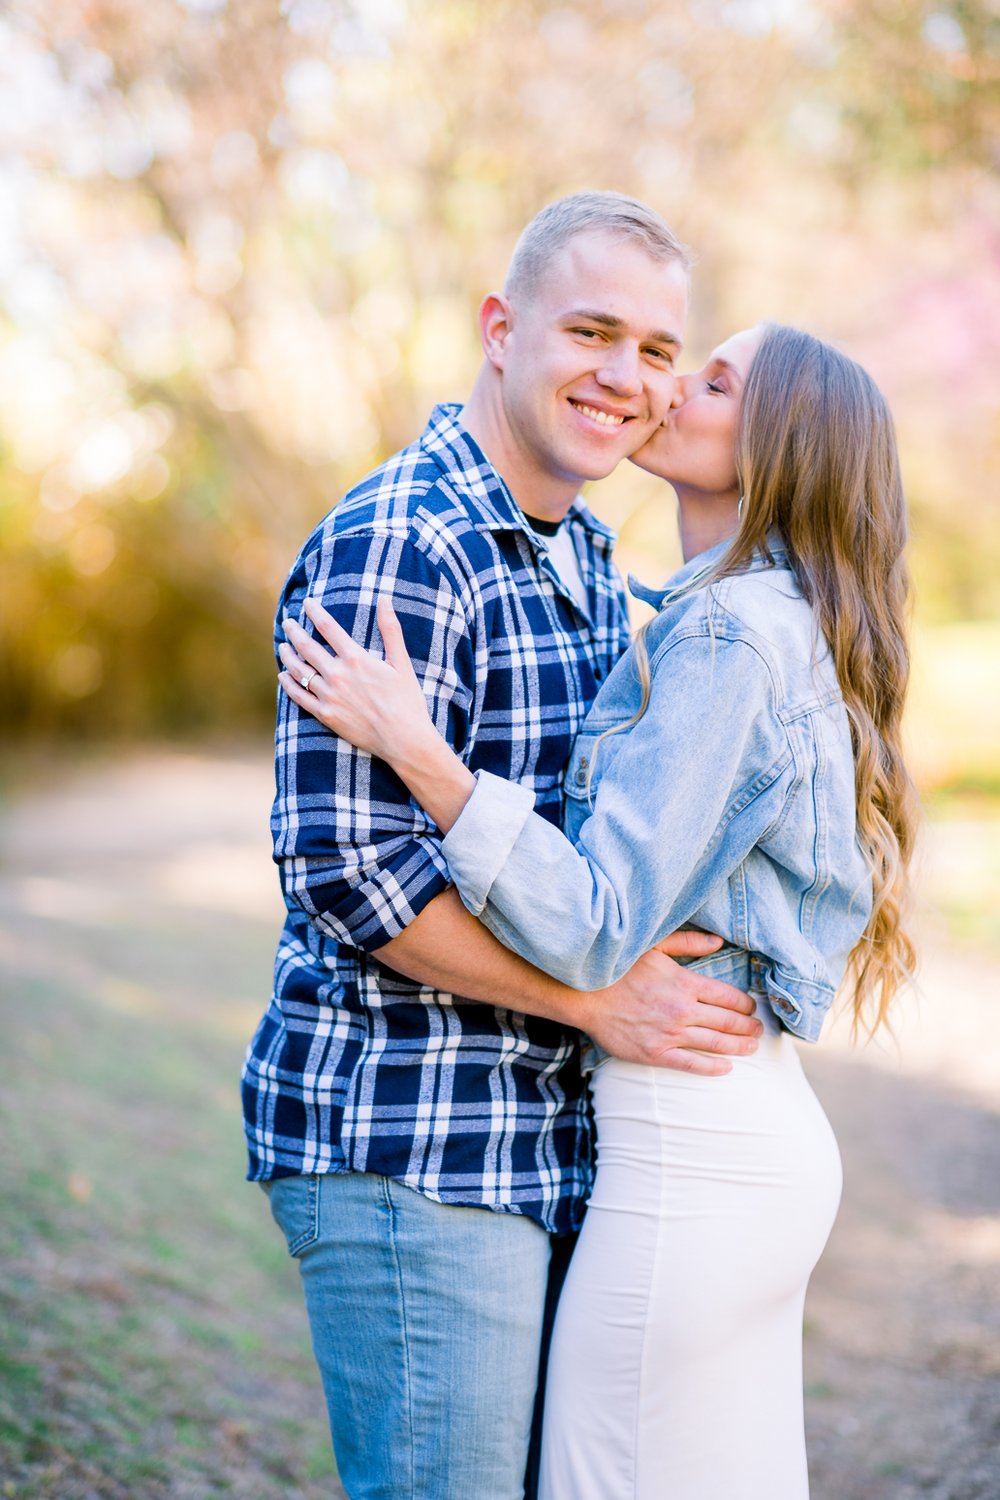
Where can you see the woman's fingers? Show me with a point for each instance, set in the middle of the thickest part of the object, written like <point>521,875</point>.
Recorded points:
<point>335,635</point>
<point>311,651</point>
<point>293,663</point>
<point>291,685</point>
<point>396,653</point>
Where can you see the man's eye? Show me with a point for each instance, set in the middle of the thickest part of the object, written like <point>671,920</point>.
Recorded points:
<point>587,333</point>
<point>665,355</point>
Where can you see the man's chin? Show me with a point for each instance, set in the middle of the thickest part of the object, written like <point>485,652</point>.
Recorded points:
<point>589,467</point>
<point>645,460</point>
<point>645,456</point>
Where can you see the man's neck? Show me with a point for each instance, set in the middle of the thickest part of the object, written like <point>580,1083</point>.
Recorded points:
<point>537,493</point>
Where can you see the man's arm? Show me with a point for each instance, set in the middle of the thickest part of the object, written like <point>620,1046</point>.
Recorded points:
<point>355,853</point>
<point>658,1013</point>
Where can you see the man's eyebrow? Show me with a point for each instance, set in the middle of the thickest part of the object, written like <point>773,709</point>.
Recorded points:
<point>608,320</point>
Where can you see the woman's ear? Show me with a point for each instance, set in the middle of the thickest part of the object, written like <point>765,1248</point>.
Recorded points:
<point>496,319</point>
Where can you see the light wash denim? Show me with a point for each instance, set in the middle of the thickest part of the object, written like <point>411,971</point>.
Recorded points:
<point>426,1323</point>
<point>728,806</point>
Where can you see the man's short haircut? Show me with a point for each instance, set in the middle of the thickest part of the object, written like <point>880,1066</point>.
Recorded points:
<point>610,213</point>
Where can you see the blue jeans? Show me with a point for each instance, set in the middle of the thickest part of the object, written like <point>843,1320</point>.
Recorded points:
<point>426,1323</point>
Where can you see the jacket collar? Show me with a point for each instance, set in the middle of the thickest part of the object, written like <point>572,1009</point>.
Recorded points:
<point>698,567</point>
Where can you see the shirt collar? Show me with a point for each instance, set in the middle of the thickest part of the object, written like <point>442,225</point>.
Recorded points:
<point>700,566</point>
<point>490,503</point>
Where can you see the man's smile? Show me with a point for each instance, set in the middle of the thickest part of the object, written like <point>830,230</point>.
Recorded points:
<point>603,417</point>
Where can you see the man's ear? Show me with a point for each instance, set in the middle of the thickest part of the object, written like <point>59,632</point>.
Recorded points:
<point>496,319</point>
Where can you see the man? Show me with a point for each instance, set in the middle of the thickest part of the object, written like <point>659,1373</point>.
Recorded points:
<point>414,1101</point>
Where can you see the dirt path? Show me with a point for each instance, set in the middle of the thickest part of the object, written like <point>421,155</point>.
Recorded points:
<point>155,1345</point>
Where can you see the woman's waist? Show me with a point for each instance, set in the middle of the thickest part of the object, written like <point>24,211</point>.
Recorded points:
<point>774,1050</point>
<point>744,971</point>
<point>788,993</point>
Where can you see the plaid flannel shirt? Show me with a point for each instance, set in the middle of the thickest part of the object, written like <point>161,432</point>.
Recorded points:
<point>355,1068</point>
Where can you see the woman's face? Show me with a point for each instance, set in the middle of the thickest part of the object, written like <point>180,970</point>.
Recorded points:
<point>695,447</point>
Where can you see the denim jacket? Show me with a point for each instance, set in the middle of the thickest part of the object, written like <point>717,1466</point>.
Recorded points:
<point>728,806</point>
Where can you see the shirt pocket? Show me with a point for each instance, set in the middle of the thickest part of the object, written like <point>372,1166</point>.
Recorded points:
<point>580,782</point>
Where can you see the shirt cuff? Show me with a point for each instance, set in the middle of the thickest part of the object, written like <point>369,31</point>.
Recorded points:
<point>480,843</point>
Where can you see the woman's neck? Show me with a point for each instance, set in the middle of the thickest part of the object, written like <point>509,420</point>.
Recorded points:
<point>705,520</point>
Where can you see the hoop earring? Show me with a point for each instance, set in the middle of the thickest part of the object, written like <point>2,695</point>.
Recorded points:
<point>739,507</point>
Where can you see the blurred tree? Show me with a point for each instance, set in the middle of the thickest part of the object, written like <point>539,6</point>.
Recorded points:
<point>241,249</point>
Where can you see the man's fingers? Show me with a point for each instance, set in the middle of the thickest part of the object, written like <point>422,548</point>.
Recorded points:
<point>717,992</point>
<point>679,1060</point>
<point>732,1022</point>
<point>689,944</point>
<point>706,1039</point>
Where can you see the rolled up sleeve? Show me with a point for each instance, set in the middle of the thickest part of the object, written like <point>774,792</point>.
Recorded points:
<point>355,852</point>
<point>484,837</point>
<point>706,749</point>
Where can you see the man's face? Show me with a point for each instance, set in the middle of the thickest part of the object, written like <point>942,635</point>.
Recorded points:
<point>588,359</point>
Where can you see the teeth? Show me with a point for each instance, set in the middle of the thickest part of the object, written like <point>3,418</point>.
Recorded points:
<point>605,418</point>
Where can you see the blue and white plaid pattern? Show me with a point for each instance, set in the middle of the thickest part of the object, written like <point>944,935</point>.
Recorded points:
<point>353,1067</point>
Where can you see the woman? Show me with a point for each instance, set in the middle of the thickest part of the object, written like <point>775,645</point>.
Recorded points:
<point>740,771</point>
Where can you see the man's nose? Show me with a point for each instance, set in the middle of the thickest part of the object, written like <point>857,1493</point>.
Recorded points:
<point>619,370</point>
<point>682,390</point>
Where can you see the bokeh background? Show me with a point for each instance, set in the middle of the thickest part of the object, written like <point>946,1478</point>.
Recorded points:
<point>241,251</point>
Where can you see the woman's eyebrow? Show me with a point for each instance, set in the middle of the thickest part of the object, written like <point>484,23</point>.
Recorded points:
<point>725,364</point>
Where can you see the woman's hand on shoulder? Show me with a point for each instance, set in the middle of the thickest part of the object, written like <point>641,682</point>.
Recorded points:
<point>376,704</point>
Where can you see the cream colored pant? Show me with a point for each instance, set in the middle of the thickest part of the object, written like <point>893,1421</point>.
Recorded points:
<point>676,1364</point>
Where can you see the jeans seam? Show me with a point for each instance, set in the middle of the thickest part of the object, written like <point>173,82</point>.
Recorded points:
<point>387,1194</point>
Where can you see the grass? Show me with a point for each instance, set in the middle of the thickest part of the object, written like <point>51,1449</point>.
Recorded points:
<point>155,1343</point>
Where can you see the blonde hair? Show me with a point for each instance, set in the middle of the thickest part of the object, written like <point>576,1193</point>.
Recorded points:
<point>611,213</point>
<point>817,463</point>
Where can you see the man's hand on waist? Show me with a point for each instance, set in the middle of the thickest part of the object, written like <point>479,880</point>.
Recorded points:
<point>671,1017</point>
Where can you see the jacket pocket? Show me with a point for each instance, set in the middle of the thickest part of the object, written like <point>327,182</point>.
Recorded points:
<point>580,782</point>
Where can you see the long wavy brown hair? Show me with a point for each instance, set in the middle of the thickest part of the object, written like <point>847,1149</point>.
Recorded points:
<point>817,463</point>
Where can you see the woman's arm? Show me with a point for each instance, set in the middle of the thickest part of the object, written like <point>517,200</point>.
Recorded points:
<point>687,791</point>
<point>378,706</point>
<point>683,797</point>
